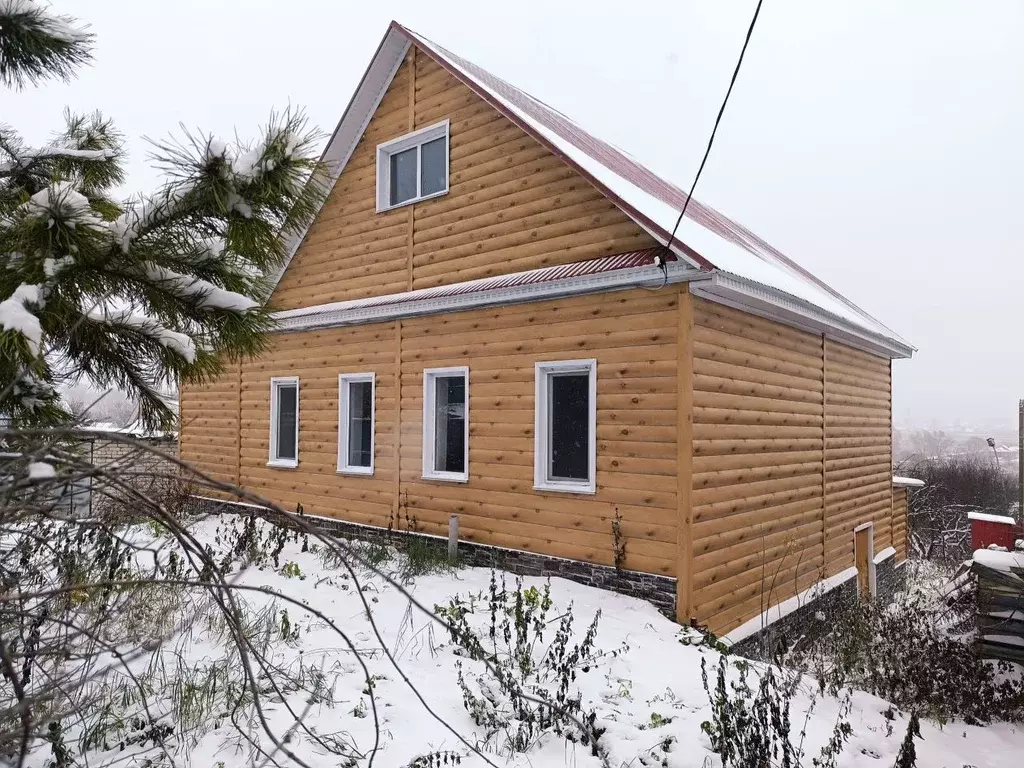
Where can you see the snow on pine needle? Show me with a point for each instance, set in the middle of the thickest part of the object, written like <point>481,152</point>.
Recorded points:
<point>161,287</point>
<point>186,265</point>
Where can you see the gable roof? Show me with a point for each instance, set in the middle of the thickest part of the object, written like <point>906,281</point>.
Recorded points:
<point>744,270</point>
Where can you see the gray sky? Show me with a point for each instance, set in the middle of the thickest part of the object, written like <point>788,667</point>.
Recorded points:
<point>877,143</point>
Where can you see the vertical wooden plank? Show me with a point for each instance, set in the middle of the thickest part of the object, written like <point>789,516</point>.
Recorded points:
<point>684,453</point>
<point>824,448</point>
<point>238,424</point>
<point>862,557</point>
<point>398,415</point>
<point>412,126</point>
<point>892,499</point>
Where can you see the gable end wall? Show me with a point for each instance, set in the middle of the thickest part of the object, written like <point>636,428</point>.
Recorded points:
<point>512,205</point>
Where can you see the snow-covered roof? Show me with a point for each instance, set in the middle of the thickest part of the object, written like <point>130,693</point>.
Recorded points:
<point>907,482</point>
<point>985,517</point>
<point>1007,562</point>
<point>706,239</point>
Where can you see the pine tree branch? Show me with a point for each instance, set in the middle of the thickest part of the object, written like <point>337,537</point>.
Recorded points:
<point>36,44</point>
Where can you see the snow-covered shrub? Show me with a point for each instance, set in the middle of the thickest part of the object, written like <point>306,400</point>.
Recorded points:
<point>108,616</point>
<point>750,725</point>
<point>954,486</point>
<point>526,687</point>
<point>914,653</point>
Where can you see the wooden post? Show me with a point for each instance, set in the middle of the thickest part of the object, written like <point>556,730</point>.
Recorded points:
<point>684,461</point>
<point>238,429</point>
<point>453,538</point>
<point>824,452</point>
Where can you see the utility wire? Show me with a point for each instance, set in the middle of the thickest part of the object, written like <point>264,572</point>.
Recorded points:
<point>714,130</point>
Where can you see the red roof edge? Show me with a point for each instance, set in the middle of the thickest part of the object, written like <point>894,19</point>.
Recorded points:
<point>632,212</point>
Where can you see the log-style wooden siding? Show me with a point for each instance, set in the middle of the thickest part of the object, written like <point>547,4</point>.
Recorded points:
<point>209,434</point>
<point>632,335</point>
<point>791,451</point>
<point>858,451</point>
<point>511,205</point>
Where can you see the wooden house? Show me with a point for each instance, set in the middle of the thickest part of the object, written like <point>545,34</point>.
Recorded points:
<point>485,321</point>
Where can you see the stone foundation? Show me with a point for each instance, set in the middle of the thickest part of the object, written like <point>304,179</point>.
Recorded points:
<point>816,616</point>
<point>660,591</point>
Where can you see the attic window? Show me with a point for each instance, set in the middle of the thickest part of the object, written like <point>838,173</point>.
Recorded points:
<point>413,167</point>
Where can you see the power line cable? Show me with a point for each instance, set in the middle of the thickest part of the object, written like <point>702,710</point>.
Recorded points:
<point>711,141</point>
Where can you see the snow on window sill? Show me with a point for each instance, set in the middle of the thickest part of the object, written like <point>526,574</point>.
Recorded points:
<point>582,487</point>
<point>283,463</point>
<point>447,477</point>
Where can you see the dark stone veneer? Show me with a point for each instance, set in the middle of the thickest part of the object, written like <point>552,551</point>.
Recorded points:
<point>660,591</point>
<point>805,621</point>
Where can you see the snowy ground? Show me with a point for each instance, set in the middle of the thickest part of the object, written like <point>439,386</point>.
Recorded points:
<point>649,696</point>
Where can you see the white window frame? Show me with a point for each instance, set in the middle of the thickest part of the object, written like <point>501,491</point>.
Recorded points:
<point>275,384</point>
<point>402,143</point>
<point>542,440</point>
<point>343,421</point>
<point>429,425</point>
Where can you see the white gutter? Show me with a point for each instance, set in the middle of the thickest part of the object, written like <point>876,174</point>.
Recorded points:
<point>759,299</point>
<point>421,302</point>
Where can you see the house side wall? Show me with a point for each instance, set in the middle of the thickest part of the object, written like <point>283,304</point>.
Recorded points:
<point>791,452</point>
<point>757,464</point>
<point>632,335</point>
<point>512,205</point>
<point>858,451</point>
<point>209,434</point>
<point>318,358</point>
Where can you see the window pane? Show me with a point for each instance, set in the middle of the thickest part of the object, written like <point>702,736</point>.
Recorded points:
<point>287,411</point>
<point>450,424</point>
<point>360,423</point>
<point>403,176</point>
<point>569,406</point>
<point>433,168</point>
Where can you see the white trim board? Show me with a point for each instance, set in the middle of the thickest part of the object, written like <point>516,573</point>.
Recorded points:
<point>727,290</point>
<point>786,607</point>
<point>354,120</point>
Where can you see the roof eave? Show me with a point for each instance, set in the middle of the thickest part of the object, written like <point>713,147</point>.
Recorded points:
<point>683,251</point>
<point>750,296</point>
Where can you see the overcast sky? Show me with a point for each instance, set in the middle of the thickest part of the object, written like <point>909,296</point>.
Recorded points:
<point>877,143</point>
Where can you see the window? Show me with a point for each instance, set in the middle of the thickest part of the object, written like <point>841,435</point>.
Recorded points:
<point>565,424</point>
<point>446,424</point>
<point>413,167</point>
<point>284,421</point>
<point>355,423</point>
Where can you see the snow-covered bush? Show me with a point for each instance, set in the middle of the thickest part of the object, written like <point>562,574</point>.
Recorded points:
<point>101,611</point>
<point>526,687</point>
<point>917,653</point>
<point>750,725</point>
